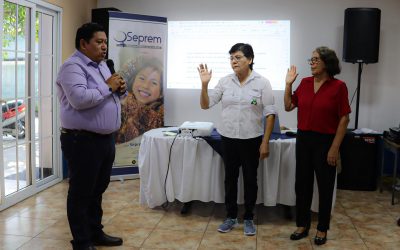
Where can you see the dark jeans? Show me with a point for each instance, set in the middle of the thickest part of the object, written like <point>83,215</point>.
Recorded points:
<point>245,153</point>
<point>89,158</point>
<point>311,156</point>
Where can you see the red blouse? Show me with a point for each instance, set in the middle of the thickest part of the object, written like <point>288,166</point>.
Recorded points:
<point>321,111</point>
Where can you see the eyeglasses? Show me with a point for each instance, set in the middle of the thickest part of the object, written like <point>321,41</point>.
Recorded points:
<point>235,58</point>
<point>313,60</point>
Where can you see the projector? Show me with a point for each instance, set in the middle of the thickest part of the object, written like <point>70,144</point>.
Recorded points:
<point>196,129</point>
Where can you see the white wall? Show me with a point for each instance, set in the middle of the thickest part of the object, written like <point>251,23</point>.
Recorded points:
<point>313,23</point>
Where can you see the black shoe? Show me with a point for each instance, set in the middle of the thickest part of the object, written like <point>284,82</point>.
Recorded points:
<point>298,236</point>
<point>320,240</point>
<point>85,248</point>
<point>107,240</point>
<point>82,246</point>
<point>91,247</point>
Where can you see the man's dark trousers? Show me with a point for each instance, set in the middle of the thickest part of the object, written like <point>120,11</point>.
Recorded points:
<point>89,157</point>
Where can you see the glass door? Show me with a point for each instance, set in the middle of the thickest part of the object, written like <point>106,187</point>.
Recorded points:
<point>43,100</point>
<point>28,160</point>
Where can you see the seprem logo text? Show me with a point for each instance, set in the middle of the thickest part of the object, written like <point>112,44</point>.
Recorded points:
<point>130,39</point>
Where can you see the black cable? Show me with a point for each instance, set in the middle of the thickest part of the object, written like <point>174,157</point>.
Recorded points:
<point>355,91</point>
<point>165,205</point>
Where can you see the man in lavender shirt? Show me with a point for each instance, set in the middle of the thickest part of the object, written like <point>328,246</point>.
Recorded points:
<point>90,113</point>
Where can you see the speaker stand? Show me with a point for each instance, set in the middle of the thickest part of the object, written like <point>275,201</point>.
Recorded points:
<point>360,68</point>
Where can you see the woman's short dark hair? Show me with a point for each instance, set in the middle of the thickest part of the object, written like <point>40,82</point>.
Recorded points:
<point>86,33</point>
<point>247,51</point>
<point>328,56</point>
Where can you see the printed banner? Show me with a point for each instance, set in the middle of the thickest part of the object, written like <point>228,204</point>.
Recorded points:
<point>137,45</point>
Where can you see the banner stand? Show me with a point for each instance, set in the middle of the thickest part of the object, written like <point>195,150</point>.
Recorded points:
<point>137,45</point>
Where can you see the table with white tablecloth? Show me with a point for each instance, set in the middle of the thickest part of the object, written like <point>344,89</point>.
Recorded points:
<point>196,172</point>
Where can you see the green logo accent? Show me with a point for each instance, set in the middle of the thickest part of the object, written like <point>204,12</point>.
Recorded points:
<point>254,101</point>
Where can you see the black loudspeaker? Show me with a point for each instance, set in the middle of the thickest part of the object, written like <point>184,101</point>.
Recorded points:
<point>361,35</point>
<point>102,16</point>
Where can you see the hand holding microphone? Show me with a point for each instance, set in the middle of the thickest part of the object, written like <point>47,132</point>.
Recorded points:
<point>116,82</point>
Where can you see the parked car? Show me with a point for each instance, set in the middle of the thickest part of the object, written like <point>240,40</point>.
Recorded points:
<point>13,125</point>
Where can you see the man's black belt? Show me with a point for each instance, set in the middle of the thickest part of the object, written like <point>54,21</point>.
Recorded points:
<point>82,132</point>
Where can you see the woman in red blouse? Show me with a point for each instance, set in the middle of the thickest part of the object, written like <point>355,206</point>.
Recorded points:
<point>323,115</point>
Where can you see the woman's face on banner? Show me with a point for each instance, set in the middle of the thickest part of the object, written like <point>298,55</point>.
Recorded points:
<point>147,85</point>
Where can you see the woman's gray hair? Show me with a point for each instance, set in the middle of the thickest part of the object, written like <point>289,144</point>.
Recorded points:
<point>328,56</point>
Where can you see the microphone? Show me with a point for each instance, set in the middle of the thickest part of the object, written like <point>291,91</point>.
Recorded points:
<point>110,65</point>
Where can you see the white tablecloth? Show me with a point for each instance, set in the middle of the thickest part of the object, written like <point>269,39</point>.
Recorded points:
<point>196,172</point>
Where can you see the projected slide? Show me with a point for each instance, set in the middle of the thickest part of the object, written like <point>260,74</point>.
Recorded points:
<point>193,42</point>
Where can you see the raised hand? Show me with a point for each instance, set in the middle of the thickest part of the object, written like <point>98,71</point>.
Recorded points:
<point>205,75</point>
<point>291,75</point>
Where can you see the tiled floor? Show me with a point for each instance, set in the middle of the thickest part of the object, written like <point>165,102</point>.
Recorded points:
<point>362,220</point>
